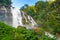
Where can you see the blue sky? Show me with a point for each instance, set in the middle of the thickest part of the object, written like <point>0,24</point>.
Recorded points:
<point>19,3</point>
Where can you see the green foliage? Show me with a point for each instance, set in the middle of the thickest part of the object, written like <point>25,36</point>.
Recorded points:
<point>36,34</point>
<point>46,14</point>
<point>24,34</point>
<point>5,2</point>
<point>6,32</point>
<point>30,10</point>
<point>21,33</point>
<point>23,21</point>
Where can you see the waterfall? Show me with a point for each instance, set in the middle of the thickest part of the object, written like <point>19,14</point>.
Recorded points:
<point>18,16</point>
<point>14,17</point>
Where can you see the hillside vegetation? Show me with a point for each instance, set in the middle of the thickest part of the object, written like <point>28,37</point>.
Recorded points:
<point>11,33</point>
<point>46,14</point>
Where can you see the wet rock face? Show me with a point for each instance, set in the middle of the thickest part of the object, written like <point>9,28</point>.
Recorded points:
<point>3,12</point>
<point>5,15</point>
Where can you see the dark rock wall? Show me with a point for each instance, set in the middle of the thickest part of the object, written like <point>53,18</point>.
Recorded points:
<point>5,15</point>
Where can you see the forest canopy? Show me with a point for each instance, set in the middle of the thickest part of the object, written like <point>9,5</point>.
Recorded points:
<point>46,14</point>
<point>6,2</point>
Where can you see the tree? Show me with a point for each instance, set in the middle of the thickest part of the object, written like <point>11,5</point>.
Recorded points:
<point>5,2</point>
<point>46,14</point>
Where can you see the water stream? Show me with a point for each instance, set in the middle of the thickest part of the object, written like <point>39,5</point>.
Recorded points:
<point>18,16</point>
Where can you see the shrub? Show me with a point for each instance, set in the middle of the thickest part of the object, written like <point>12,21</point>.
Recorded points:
<point>6,32</point>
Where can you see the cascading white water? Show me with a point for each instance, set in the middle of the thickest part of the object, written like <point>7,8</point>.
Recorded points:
<point>32,21</point>
<point>17,17</point>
